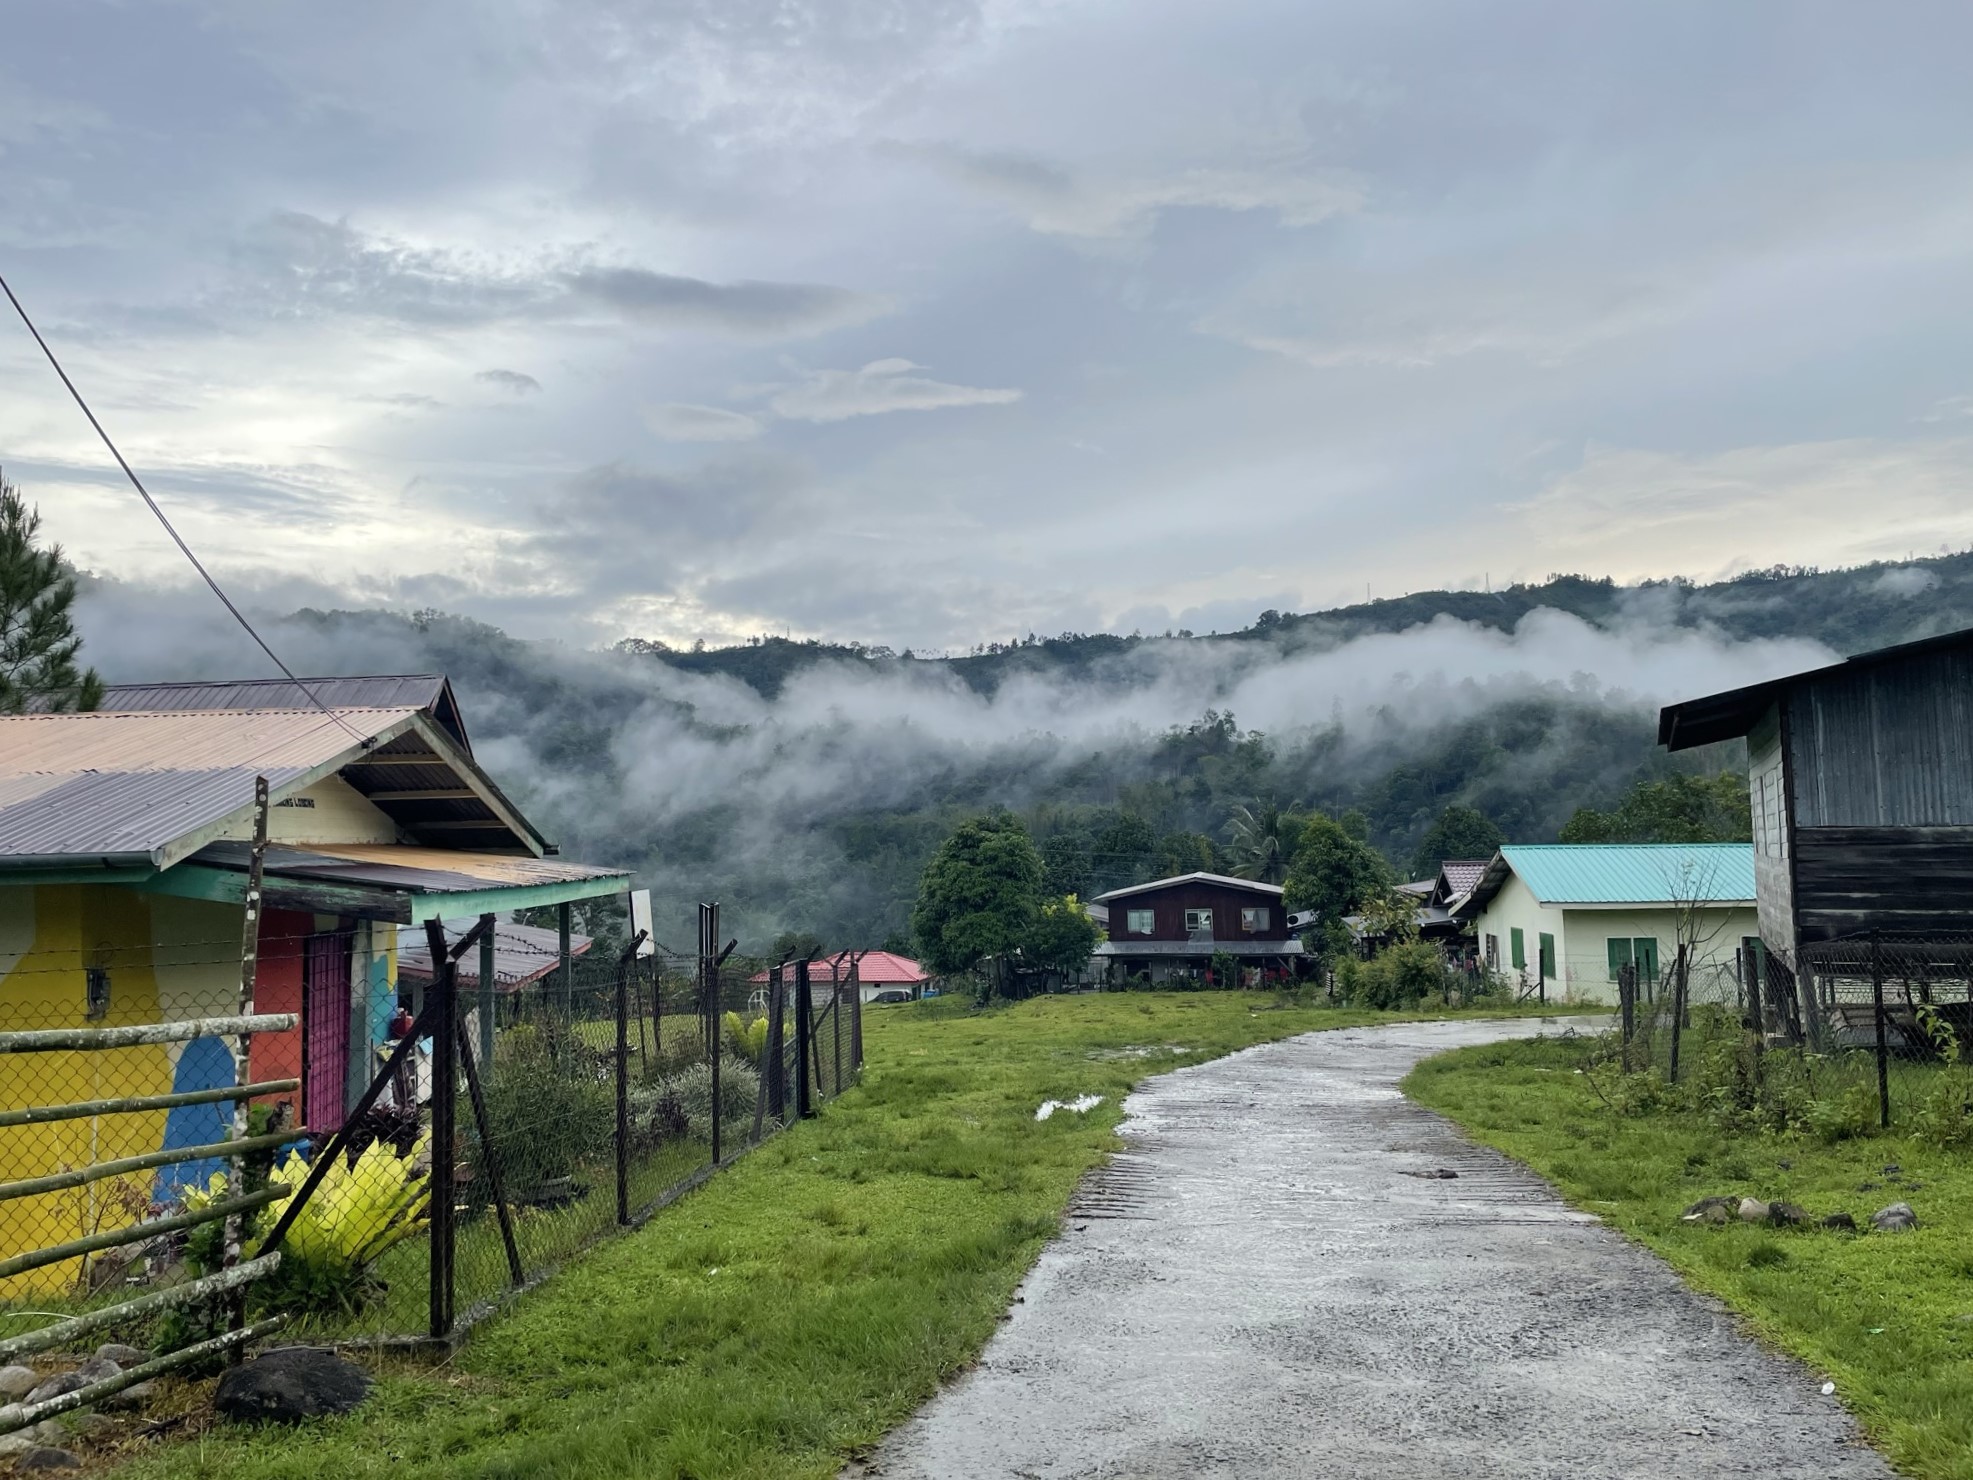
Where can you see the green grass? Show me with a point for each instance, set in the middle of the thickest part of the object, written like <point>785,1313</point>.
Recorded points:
<point>1888,1317</point>
<point>803,1302</point>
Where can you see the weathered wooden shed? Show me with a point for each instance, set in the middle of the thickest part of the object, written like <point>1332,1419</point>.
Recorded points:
<point>1861,780</point>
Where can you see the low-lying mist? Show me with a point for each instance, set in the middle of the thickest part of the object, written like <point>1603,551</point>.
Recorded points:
<point>814,807</point>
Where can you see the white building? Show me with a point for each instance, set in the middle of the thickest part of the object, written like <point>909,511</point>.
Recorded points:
<point>1565,918</point>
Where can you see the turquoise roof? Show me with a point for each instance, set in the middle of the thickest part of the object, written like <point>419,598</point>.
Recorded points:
<point>1633,873</point>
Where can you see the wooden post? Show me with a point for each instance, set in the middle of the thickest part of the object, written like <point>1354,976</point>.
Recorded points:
<point>487,998</point>
<point>1883,1042</point>
<point>444,1095</point>
<point>243,1047</point>
<point>709,925</point>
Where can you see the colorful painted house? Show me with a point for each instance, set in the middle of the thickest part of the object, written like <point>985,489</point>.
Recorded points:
<point>124,847</point>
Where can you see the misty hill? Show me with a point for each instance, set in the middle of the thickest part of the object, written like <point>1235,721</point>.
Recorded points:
<point>1848,611</point>
<point>804,784</point>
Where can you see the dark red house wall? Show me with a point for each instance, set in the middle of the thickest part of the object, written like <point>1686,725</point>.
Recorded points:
<point>1171,903</point>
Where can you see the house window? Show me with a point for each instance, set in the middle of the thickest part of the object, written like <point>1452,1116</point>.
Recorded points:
<point>1518,942</point>
<point>1253,919</point>
<point>1140,922</point>
<point>1198,920</point>
<point>1547,945</point>
<point>1639,951</point>
<point>1493,953</point>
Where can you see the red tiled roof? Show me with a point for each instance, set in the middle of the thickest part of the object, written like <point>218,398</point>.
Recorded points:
<point>873,969</point>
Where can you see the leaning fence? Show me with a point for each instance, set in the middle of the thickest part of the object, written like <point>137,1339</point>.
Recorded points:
<point>492,1131</point>
<point>1870,1030</point>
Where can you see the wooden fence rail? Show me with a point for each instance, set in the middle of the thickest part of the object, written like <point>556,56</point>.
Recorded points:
<point>136,1104</point>
<point>53,1040</point>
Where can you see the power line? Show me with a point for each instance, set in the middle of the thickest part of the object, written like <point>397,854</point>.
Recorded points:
<point>177,539</point>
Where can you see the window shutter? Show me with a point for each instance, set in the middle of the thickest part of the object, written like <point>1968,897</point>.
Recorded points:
<point>1518,943</point>
<point>1647,958</point>
<point>1547,943</point>
<point>1619,948</point>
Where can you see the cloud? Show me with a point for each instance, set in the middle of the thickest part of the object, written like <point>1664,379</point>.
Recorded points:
<point>1635,512</point>
<point>1057,203</point>
<point>510,380</point>
<point>879,387</point>
<point>678,421</point>
<point>772,310</point>
<point>297,265</point>
<point>1906,580</point>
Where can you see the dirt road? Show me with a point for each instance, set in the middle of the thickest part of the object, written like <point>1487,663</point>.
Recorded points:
<point>1264,1286</point>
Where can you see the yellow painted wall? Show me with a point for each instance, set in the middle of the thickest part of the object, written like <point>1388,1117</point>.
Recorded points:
<point>49,934</point>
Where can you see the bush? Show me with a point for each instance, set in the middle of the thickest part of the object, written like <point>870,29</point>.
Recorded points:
<point>546,1117</point>
<point>689,1094</point>
<point>746,1040</point>
<point>1400,977</point>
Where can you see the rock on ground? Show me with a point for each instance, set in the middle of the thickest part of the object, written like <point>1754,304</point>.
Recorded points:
<point>123,1356</point>
<point>18,1381</point>
<point>46,1457</point>
<point>290,1384</point>
<point>1895,1219</point>
<point>54,1387</point>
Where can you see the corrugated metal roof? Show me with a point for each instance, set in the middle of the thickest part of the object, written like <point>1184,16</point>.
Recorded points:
<point>406,868</point>
<point>1634,873</point>
<point>427,691</point>
<point>1195,878</point>
<point>521,953</point>
<point>118,785</point>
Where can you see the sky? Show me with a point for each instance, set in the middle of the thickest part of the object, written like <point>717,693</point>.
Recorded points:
<point>933,322</point>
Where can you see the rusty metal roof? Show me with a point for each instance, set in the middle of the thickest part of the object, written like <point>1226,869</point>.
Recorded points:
<point>122,788</point>
<point>521,953</point>
<point>430,692</point>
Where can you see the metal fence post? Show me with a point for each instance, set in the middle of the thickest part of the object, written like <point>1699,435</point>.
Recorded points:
<point>486,999</point>
<point>709,929</point>
<point>803,1028</point>
<point>1680,967</point>
<point>444,1045</point>
<point>856,1020</point>
<point>1883,1045</point>
<point>623,1084</point>
<point>1627,1005</point>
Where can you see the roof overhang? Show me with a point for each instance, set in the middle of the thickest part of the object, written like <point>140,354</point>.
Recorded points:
<point>1729,715</point>
<point>395,883</point>
<point>1226,881</point>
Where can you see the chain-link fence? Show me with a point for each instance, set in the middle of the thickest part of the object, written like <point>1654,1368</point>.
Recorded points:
<point>1869,1032</point>
<point>416,1146</point>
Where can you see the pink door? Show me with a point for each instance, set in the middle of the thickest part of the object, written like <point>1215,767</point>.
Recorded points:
<point>325,1029</point>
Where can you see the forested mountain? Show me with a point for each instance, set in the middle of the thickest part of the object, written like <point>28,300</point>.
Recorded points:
<point>804,784</point>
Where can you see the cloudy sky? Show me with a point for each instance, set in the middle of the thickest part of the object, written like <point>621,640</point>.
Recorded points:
<point>934,321</point>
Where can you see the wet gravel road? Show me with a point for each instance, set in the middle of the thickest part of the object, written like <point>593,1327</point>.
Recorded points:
<point>1263,1286</point>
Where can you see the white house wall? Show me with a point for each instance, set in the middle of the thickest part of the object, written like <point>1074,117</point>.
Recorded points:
<point>1516,905</point>
<point>1585,969</point>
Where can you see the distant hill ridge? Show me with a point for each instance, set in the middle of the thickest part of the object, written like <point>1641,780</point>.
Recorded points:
<point>1851,610</point>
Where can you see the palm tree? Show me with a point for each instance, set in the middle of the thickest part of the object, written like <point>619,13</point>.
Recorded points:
<point>1259,840</point>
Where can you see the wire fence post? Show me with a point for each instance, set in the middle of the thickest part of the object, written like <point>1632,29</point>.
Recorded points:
<point>1680,967</point>
<point>1627,1006</point>
<point>235,1227</point>
<point>803,1028</point>
<point>856,1017</point>
<point>709,987</point>
<point>444,1094</point>
<point>486,997</point>
<point>1883,1043</point>
<point>622,1074</point>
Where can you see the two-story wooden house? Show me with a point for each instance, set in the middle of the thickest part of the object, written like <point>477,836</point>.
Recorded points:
<point>1173,928</point>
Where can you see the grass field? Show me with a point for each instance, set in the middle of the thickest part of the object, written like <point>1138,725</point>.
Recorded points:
<point>806,1300</point>
<point>1887,1317</point>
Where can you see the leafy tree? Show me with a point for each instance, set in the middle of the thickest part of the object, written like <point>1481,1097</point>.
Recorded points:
<point>1065,865</point>
<point>979,895</point>
<point>1677,809</point>
<point>38,641</point>
<point>1460,832</point>
<point>1261,841</point>
<point>1063,935</point>
<point>1186,853</point>
<point>1355,824</point>
<point>1334,874</point>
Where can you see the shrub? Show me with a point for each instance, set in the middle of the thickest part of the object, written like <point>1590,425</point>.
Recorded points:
<point>1850,1115</point>
<point>746,1040</point>
<point>1400,977</point>
<point>545,1118</point>
<point>690,1092</point>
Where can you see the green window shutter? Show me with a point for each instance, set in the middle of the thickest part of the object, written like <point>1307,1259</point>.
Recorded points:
<point>1647,958</point>
<point>1619,948</point>
<point>1547,957</point>
<point>1519,945</point>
